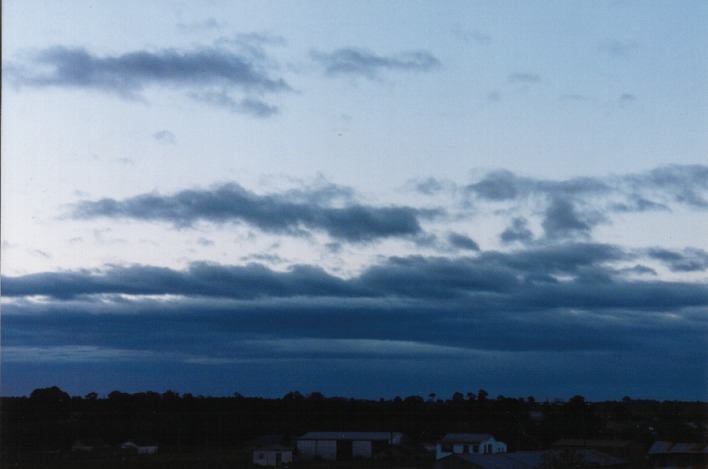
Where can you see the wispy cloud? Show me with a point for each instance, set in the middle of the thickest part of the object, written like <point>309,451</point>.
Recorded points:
<point>209,24</point>
<point>524,77</point>
<point>361,62</point>
<point>617,48</point>
<point>573,207</point>
<point>462,242</point>
<point>165,136</point>
<point>277,213</point>
<point>202,71</point>
<point>562,298</point>
<point>517,231</point>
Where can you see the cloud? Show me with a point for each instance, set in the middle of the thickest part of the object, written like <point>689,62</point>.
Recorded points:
<point>209,24</point>
<point>475,37</point>
<point>627,99</point>
<point>562,220</point>
<point>518,231</point>
<point>618,49</point>
<point>521,77</point>
<point>687,260</point>
<point>574,207</point>
<point>567,299</point>
<point>462,242</point>
<point>204,242</point>
<point>351,61</point>
<point>429,186</point>
<point>165,137</point>
<point>203,71</point>
<point>223,100</point>
<point>497,186</point>
<point>270,213</point>
<point>532,300</point>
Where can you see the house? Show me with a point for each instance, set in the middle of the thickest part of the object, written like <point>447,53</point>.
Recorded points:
<point>274,455</point>
<point>468,443</point>
<point>346,445</point>
<point>528,460</point>
<point>89,445</point>
<point>678,455</point>
<point>624,449</point>
<point>129,445</point>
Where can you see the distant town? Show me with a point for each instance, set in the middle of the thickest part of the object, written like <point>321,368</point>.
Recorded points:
<point>50,428</point>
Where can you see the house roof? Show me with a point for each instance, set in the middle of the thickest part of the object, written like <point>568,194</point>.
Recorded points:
<point>465,438</point>
<point>579,443</point>
<point>358,436</point>
<point>664,447</point>
<point>279,448</point>
<point>529,459</point>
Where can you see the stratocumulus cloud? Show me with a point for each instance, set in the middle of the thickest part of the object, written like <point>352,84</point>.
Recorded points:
<point>205,72</point>
<point>574,207</point>
<point>361,62</point>
<point>271,213</point>
<point>512,306</point>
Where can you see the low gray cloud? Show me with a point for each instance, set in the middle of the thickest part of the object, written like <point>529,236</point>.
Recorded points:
<point>209,24</point>
<point>493,301</point>
<point>462,242</point>
<point>429,186</point>
<point>277,213</point>
<point>574,207</point>
<point>566,298</point>
<point>202,71</point>
<point>563,220</point>
<point>518,231</point>
<point>522,77</point>
<point>224,100</point>
<point>361,62</point>
<point>627,99</point>
<point>473,36</point>
<point>686,260</point>
<point>165,136</point>
<point>617,49</point>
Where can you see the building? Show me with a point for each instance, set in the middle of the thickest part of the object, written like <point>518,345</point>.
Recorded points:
<point>340,446</point>
<point>274,455</point>
<point>623,449</point>
<point>678,455</point>
<point>529,460</point>
<point>131,446</point>
<point>468,443</point>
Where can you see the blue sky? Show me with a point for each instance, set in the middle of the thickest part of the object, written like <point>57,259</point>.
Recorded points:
<point>359,198</point>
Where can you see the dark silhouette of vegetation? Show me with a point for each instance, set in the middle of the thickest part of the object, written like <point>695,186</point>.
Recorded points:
<point>51,420</point>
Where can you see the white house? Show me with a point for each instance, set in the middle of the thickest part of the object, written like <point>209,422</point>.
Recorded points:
<point>274,455</point>
<point>129,445</point>
<point>333,446</point>
<point>468,443</point>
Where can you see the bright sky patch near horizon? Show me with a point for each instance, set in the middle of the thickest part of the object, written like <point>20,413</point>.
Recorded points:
<point>357,198</point>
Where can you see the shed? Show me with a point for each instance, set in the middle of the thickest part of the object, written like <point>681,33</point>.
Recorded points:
<point>468,443</point>
<point>140,449</point>
<point>624,449</point>
<point>273,455</point>
<point>523,460</point>
<point>673,454</point>
<point>346,445</point>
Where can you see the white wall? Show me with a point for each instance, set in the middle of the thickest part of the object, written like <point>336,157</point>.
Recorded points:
<point>325,449</point>
<point>268,458</point>
<point>362,449</point>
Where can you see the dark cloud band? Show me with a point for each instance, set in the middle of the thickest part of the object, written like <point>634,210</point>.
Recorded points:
<point>272,213</point>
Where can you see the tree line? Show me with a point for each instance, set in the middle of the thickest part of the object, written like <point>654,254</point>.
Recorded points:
<point>52,420</point>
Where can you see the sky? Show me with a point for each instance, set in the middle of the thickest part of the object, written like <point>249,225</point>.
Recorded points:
<point>360,198</point>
